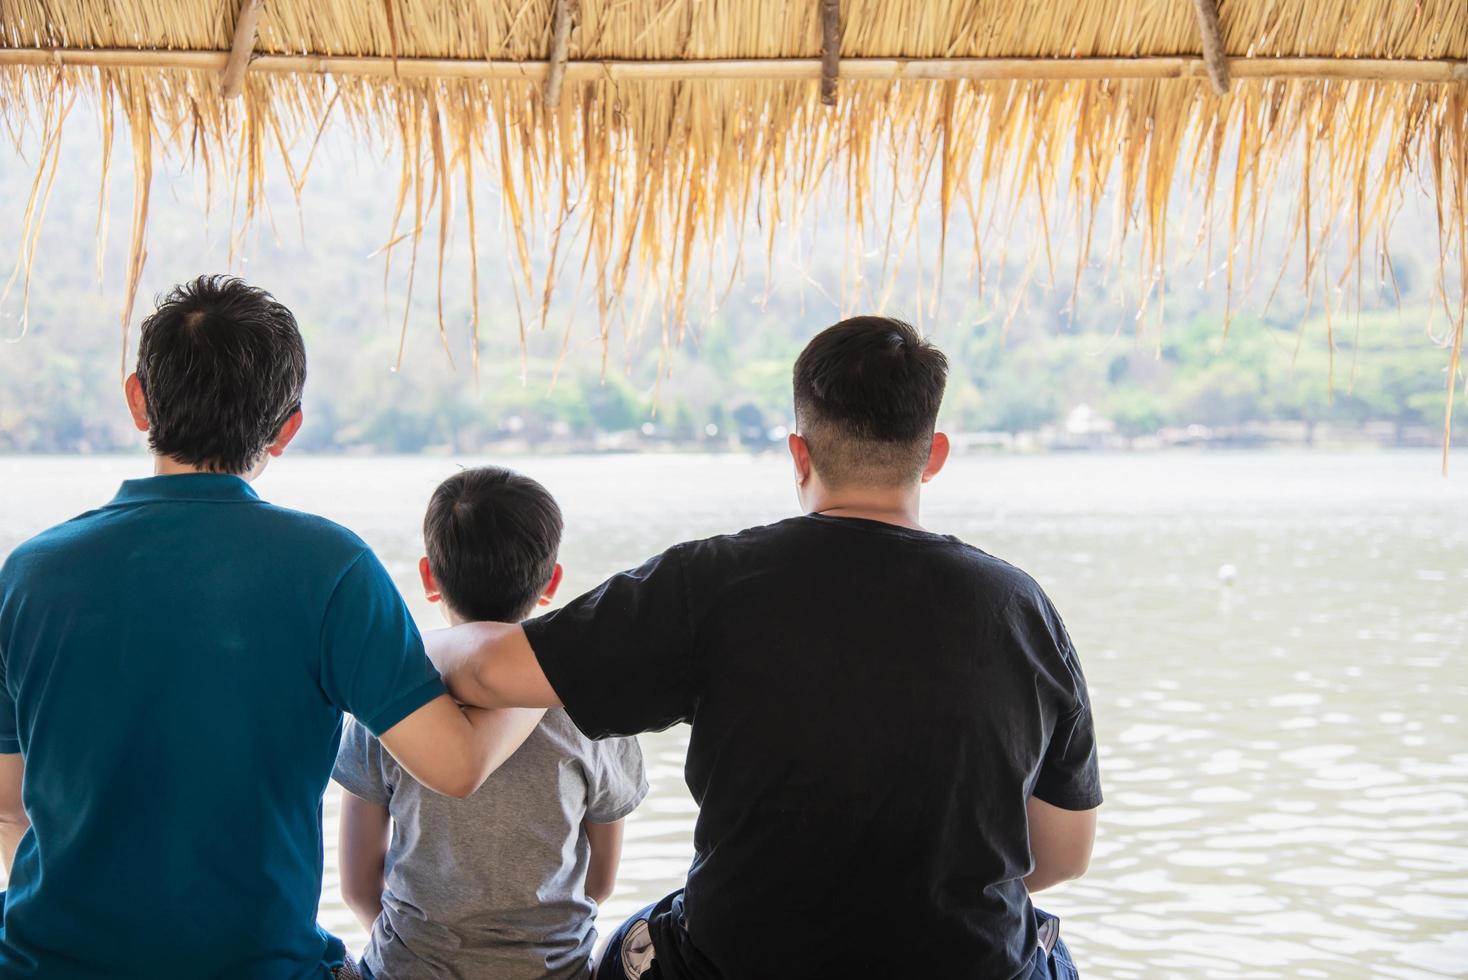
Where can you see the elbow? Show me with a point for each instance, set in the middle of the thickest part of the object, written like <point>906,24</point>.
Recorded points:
<point>472,684</point>
<point>1073,866</point>
<point>1056,869</point>
<point>460,776</point>
<point>363,899</point>
<point>1076,869</point>
<point>457,787</point>
<point>463,785</point>
<point>462,791</point>
<point>355,898</point>
<point>481,692</point>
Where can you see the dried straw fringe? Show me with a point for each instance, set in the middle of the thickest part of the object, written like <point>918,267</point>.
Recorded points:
<point>652,175</point>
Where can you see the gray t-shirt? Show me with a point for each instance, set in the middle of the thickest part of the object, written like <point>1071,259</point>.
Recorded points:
<point>493,886</point>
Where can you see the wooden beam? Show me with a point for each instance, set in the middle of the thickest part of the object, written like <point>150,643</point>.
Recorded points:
<point>1434,70</point>
<point>830,49</point>
<point>566,12</point>
<point>1212,33</point>
<point>241,49</point>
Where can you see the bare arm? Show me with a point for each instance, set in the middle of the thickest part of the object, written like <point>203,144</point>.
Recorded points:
<point>606,854</point>
<point>490,665</point>
<point>453,750</point>
<point>363,855</point>
<point>13,820</point>
<point>1060,844</point>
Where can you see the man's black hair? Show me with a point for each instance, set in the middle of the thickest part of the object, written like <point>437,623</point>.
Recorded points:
<point>492,537</point>
<point>222,366</point>
<point>867,392</point>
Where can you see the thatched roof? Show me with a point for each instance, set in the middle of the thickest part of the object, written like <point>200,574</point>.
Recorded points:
<point>656,126</point>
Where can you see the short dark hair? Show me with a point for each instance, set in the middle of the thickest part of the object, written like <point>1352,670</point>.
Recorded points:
<point>222,366</point>
<point>867,392</point>
<point>492,535</point>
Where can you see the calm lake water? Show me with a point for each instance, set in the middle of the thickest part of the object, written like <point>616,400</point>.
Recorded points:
<point>1285,759</point>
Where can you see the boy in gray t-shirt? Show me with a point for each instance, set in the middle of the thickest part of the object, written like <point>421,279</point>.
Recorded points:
<point>505,883</point>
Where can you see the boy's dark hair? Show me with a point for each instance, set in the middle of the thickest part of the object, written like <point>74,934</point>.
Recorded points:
<point>867,392</point>
<point>492,537</point>
<point>222,366</point>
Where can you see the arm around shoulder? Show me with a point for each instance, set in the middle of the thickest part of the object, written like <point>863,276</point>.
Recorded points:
<point>453,750</point>
<point>490,665</point>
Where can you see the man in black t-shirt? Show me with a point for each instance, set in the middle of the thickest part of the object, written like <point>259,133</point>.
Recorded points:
<point>891,744</point>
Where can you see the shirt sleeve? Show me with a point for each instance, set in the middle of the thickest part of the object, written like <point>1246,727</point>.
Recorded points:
<point>619,657</point>
<point>620,782</point>
<point>9,729</point>
<point>372,662</point>
<point>9,726</point>
<point>359,766</point>
<point>1069,776</point>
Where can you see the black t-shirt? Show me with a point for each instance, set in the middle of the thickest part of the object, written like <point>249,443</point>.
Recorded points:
<point>872,706</point>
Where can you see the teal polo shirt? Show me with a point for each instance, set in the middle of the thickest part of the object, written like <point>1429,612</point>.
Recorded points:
<point>175,669</point>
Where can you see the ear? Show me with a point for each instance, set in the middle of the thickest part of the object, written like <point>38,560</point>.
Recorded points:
<point>286,434</point>
<point>937,456</point>
<point>800,455</point>
<point>136,403</point>
<point>430,587</point>
<point>550,588</point>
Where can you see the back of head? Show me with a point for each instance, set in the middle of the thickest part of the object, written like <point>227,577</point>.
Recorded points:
<point>867,392</point>
<point>222,367</point>
<point>492,536</point>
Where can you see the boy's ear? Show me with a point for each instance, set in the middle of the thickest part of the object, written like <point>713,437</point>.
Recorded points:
<point>549,592</point>
<point>137,405</point>
<point>800,455</point>
<point>430,587</point>
<point>937,456</point>
<point>286,434</point>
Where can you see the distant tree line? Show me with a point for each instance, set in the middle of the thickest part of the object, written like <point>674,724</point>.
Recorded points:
<point>62,393</point>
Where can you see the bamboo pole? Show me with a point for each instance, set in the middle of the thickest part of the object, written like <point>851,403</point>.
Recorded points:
<point>241,49</point>
<point>1212,34</point>
<point>566,11</point>
<point>830,49</point>
<point>763,69</point>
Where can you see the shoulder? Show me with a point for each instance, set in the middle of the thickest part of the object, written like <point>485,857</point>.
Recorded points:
<point>362,767</point>
<point>1020,599</point>
<point>557,729</point>
<point>623,752</point>
<point>1008,582</point>
<point>313,529</point>
<point>56,543</point>
<point>314,545</point>
<point>1019,602</point>
<point>594,752</point>
<point>752,540</point>
<point>769,541</point>
<point>358,745</point>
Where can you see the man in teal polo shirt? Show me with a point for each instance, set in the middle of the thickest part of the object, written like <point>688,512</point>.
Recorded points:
<point>174,667</point>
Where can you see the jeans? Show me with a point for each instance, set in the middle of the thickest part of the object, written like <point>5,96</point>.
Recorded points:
<point>1057,964</point>
<point>629,954</point>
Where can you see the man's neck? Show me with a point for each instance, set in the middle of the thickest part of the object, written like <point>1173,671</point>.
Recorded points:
<point>168,466</point>
<point>899,506</point>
